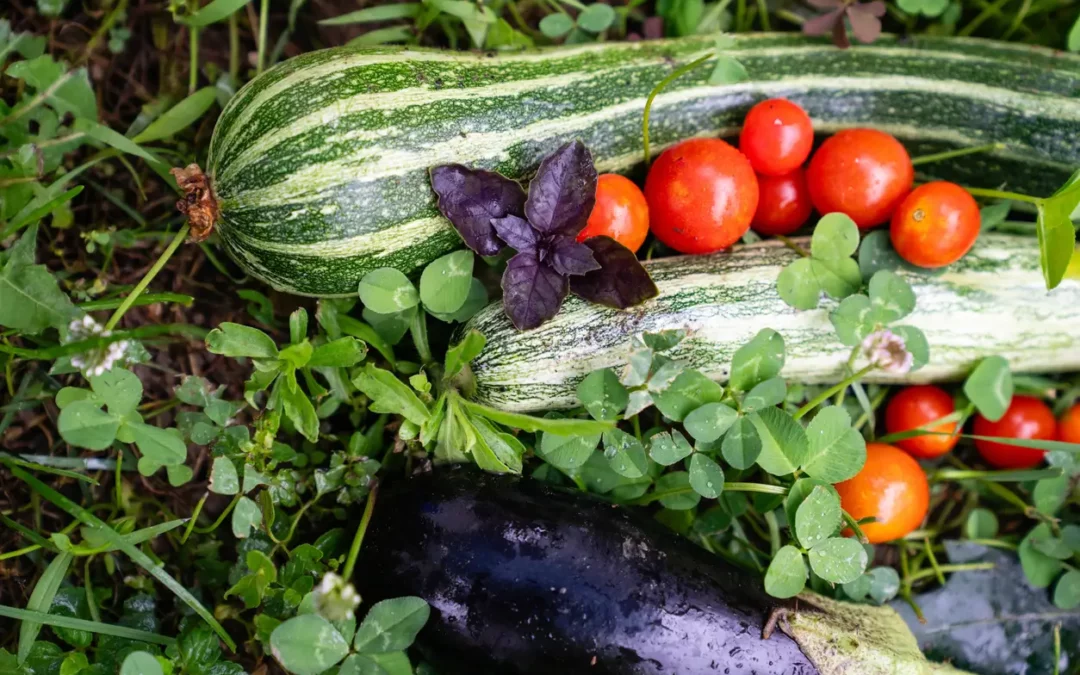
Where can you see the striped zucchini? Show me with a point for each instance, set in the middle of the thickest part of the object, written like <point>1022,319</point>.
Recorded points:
<point>319,166</point>
<point>993,301</point>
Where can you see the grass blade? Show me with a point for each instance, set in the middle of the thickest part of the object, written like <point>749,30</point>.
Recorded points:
<point>127,547</point>
<point>41,601</point>
<point>26,615</point>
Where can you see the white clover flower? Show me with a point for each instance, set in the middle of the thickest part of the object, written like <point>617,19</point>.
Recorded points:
<point>887,351</point>
<point>336,599</point>
<point>98,360</point>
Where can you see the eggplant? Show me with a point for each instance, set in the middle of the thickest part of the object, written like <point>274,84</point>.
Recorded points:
<point>526,579</point>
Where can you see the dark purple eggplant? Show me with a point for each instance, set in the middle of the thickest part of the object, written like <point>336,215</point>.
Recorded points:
<point>524,578</point>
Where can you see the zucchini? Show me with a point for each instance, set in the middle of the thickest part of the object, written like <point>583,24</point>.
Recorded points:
<point>527,579</point>
<point>319,166</point>
<point>993,301</point>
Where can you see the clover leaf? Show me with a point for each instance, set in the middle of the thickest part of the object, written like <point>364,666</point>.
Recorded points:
<point>829,268</point>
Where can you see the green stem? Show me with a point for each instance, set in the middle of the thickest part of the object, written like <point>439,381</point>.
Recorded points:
<point>854,525</point>
<point>949,569</point>
<point>986,13</point>
<point>361,530</point>
<point>1009,476</point>
<point>950,154</point>
<point>264,11</point>
<point>674,75</point>
<point>147,299</point>
<point>193,65</point>
<point>825,395</point>
<point>934,567</point>
<point>148,277</point>
<point>763,10</point>
<point>763,488</point>
<point>1001,194</point>
<point>91,601</point>
<point>118,485</point>
<point>774,532</point>
<point>220,519</point>
<point>418,329</point>
<point>790,243</point>
<point>194,517</point>
<point>234,48</point>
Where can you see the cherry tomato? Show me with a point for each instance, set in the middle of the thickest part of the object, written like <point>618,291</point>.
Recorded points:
<point>776,137</point>
<point>620,212</point>
<point>891,487</point>
<point>1027,417</point>
<point>702,194</point>
<point>783,203</point>
<point>861,172</point>
<point>935,225</point>
<point>1069,425</point>
<point>917,406</point>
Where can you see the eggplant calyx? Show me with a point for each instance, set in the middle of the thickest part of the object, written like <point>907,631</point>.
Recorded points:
<point>844,639</point>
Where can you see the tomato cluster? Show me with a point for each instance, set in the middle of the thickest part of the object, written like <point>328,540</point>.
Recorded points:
<point>702,195</point>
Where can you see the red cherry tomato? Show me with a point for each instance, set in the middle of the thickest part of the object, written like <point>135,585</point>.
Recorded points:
<point>918,406</point>
<point>1069,425</point>
<point>783,203</point>
<point>861,172</point>
<point>1027,417</point>
<point>776,137</point>
<point>702,194</point>
<point>892,488</point>
<point>620,212</point>
<point>935,225</point>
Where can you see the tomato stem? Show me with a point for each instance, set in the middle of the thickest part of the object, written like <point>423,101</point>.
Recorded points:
<point>1001,194</point>
<point>951,154</point>
<point>675,74</point>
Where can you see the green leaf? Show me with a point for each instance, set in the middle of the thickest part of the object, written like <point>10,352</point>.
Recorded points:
<point>567,452</point>
<point>390,395</point>
<point>884,584</point>
<point>1073,44</point>
<point>163,447</point>
<point>444,284</point>
<point>783,441</point>
<point>625,453</point>
<point>462,354</point>
<point>852,319</point>
<point>993,215</point>
<point>890,297</point>
<point>104,134</point>
<point>1039,568</point>
<point>596,18</point>
<point>179,117</point>
<point>1067,591</point>
<point>786,576</point>
<point>405,10</point>
<point>765,394</point>
<point>728,70</point>
<point>1057,235</point>
<point>223,477</point>
<point>390,327</point>
<point>214,12</point>
<point>709,422</point>
<point>245,516</point>
<point>818,516</point>
<point>981,524</point>
<point>556,25</point>
<point>299,408</point>
<point>706,476</point>
<point>603,395</point>
<point>141,663</point>
<point>236,340</point>
<point>668,448</point>
<point>916,344</point>
<point>838,560</point>
<point>179,474</point>
<point>876,253</point>
<point>389,663</point>
<point>798,492</point>
<point>84,424</point>
<point>758,360</point>
<point>990,387</point>
<point>562,427</point>
<point>476,300</point>
<point>836,450</point>
<point>41,600</point>
<point>679,495</point>
<point>797,286</point>
<point>120,390</point>
<point>387,290</point>
<point>30,299</point>
<point>836,236</point>
<point>361,330</point>
<point>742,444</point>
<point>1050,493</point>
<point>69,92</point>
<point>307,644</point>
<point>343,352</point>
<point>502,451</point>
<point>687,392</point>
<point>391,625</point>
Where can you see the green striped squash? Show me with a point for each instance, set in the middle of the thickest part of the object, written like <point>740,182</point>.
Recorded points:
<point>320,165</point>
<point>993,301</point>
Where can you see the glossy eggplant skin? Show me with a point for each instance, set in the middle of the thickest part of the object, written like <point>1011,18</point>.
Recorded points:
<point>526,579</point>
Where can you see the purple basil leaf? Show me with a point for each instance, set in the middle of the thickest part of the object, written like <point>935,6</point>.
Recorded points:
<point>532,291</point>
<point>570,257</point>
<point>516,232</point>
<point>562,194</point>
<point>470,198</point>
<point>620,282</point>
